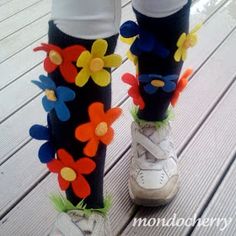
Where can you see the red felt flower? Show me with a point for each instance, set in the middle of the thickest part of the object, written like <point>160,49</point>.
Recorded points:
<point>183,81</point>
<point>71,172</point>
<point>62,58</point>
<point>134,90</point>
<point>98,129</point>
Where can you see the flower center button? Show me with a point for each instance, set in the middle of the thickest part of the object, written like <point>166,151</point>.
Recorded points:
<point>55,57</point>
<point>157,83</point>
<point>50,94</point>
<point>101,129</point>
<point>96,64</point>
<point>68,174</point>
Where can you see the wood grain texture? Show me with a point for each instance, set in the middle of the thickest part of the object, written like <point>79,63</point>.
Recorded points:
<point>117,97</point>
<point>122,208</point>
<point>2,2</point>
<point>222,205</point>
<point>25,161</point>
<point>21,39</point>
<point>201,165</point>
<point>11,105</point>
<point>22,64</point>
<point>28,217</point>
<point>185,114</point>
<point>14,7</point>
<point>24,18</point>
<point>19,99</point>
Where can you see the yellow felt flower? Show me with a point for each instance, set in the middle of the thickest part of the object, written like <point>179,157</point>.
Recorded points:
<point>93,64</point>
<point>128,41</point>
<point>186,41</point>
<point>132,57</point>
<point>129,54</point>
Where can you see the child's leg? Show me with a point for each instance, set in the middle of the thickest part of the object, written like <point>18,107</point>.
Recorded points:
<point>82,40</point>
<point>157,52</point>
<point>64,132</point>
<point>167,31</point>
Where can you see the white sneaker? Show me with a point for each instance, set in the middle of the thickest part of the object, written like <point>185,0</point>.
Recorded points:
<point>75,223</point>
<point>154,178</point>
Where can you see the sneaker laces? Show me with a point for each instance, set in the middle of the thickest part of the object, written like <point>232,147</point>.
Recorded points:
<point>154,142</point>
<point>87,224</point>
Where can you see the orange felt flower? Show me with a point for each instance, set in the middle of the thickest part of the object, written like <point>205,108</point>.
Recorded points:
<point>62,58</point>
<point>134,92</point>
<point>71,172</point>
<point>183,81</point>
<point>98,129</point>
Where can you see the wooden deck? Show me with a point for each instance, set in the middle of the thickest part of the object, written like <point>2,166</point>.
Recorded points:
<point>204,128</point>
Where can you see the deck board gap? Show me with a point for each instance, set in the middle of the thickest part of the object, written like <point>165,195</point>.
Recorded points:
<point>210,197</point>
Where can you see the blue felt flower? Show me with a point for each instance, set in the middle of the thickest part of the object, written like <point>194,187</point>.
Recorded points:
<point>55,97</point>
<point>154,82</point>
<point>46,151</point>
<point>144,42</point>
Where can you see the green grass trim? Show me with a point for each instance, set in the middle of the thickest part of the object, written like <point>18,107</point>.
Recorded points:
<point>158,124</point>
<point>61,204</point>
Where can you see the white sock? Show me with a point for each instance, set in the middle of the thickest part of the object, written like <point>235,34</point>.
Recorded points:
<point>158,8</point>
<point>87,19</point>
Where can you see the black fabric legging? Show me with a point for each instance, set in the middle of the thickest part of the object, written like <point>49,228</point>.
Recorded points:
<point>167,31</point>
<point>63,133</point>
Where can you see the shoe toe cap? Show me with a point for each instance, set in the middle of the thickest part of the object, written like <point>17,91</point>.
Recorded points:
<point>164,190</point>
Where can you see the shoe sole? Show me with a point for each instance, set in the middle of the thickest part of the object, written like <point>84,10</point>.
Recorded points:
<point>147,202</point>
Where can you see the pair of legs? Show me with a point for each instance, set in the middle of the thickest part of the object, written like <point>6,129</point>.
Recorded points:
<point>80,55</point>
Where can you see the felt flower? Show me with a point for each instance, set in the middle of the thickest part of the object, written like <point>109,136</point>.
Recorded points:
<point>62,58</point>
<point>55,97</point>
<point>98,129</point>
<point>132,57</point>
<point>47,151</point>
<point>186,41</point>
<point>128,40</point>
<point>143,41</point>
<point>154,82</point>
<point>93,64</point>
<point>129,54</point>
<point>134,92</point>
<point>71,172</point>
<point>183,81</point>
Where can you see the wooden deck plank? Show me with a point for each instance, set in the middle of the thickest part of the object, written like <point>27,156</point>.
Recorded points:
<point>22,173</point>
<point>186,114</point>
<point>19,99</point>
<point>122,208</point>
<point>2,2</point>
<point>43,217</point>
<point>110,161</point>
<point>20,135</point>
<point>18,40</point>
<point>14,131</point>
<point>22,64</point>
<point>23,91</point>
<point>201,166</point>
<point>13,7</point>
<point>118,174</point>
<point>26,159</point>
<point>114,150</point>
<point>223,205</point>
<point>24,18</point>
<point>21,61</point>
<point>23,38</point>
<point>11,106</point>
<point>23,54</point>
<point>221,17</point>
